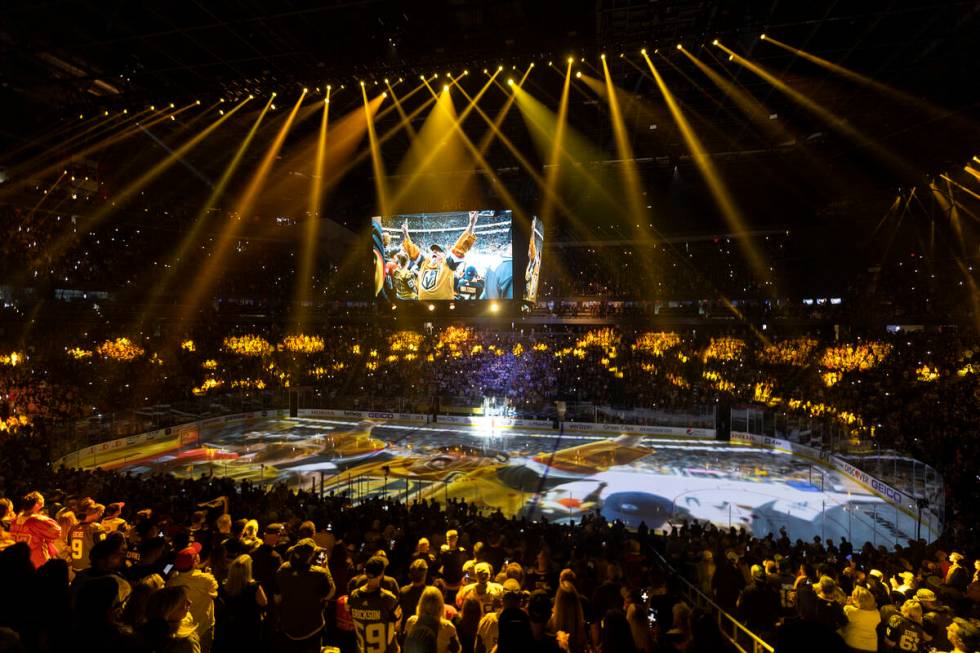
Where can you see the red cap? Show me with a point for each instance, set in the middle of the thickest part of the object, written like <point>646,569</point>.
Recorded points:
<point>185,557</point>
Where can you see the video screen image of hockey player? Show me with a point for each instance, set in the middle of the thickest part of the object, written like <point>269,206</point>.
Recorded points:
<point>453,256</point>
<point>533,272</point>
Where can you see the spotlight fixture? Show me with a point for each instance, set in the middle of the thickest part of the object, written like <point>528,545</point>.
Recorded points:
<point>386,80</point>
<point>362,83</point>
<point>251,97</point>
<point>273,95</point>
<point>305,90</point>
<point>197,102</point>
<point>571,60</point>
<point>603,56</point>
<point>422,77</point>
<point>485,72</point>
<point>494,307</point>
<point>499,68</point>
<point>578,74</point>
<point>171,106</point>
<point>466,72</point>
<point>385,94</point>
<point>763,37</point>
<point>643,51</point>
<point>445,87</point>
<point>715,42</point>
<point>329,87</point>
<point>680,47</point>
<point>432,307</point>
<point>510,82</point>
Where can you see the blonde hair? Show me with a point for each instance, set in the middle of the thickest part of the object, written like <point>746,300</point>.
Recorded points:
<point>431,603</point>
<point>912,609</point>
<point>864,598</point>
<point>239,574</point>
<point>567,613</point>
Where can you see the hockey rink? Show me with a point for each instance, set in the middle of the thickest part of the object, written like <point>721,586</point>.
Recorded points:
<point>636,479</point>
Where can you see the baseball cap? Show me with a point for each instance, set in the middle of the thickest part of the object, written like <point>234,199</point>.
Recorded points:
<point>185,557</point>
<point>925,594</point>
<point>435,248</point>
<point>482,568</point>
<point>758,572</point>
<point>274,528</point>
<point>876,573</point>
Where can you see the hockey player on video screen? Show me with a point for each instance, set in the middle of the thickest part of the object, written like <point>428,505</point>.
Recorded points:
<point>436,278</point>
<point>533,270</point>
<point>470,285</point>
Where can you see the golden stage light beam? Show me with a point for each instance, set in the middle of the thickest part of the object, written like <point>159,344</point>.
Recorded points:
<point>502,114</point>
<point>45,194</point>
<point>554,159</point>
<point>894,93</point>
<point>419,165</point>
<point>949,208</point>
<point>532,112</point>
<point>114,123</point>
<point>335,176</point>
<point>834,121</point>
<point>94,123</point>
<point>712,178</point>
<point>304,281</point>
<point>747,103</point>
<point>961,187</point>
<point>478,158</point>
<point>401,111</point>
<point>90,221</point>
<point>26,174</point>
<point>974,173</point>
<point>191,237</point>
<point>377,163</point>
<point>494,131</point>
<point>243,206</point>
<point>631,175</point>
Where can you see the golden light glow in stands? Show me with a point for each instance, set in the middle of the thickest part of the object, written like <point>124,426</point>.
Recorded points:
<point>248,345</point>
<point>120,349</point>
<point>851,357</point>
<point>303,344</point>
<point>656,343</point>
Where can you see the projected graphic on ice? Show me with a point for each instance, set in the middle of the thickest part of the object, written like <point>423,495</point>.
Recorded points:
<point>534,473</point>
<point>455,256</point>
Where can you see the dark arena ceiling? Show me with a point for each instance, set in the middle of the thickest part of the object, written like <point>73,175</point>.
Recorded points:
<point>64,59</point>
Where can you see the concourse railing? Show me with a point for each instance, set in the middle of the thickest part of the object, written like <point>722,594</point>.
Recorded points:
<point>731,628</point>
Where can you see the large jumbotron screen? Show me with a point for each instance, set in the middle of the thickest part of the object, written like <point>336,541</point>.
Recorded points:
<point>457,255</point>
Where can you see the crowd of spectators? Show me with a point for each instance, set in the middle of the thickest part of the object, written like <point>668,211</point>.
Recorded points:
<point>215,564</point>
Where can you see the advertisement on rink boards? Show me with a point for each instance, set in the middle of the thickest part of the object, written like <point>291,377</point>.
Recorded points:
<point>895,497</point>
